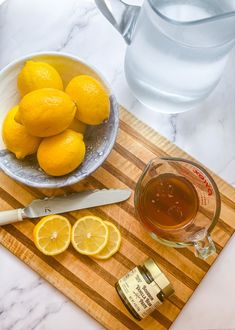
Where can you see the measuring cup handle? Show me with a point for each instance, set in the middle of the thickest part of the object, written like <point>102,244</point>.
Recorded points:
<point>205,247</point>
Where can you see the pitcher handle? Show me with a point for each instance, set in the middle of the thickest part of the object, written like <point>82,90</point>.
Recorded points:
<point>121,15</point>
<point>204,247</point>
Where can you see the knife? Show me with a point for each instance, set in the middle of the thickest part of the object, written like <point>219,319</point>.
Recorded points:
<point>66,203</point>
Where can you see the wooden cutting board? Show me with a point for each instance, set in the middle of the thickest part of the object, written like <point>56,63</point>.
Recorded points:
<point>89,283</point>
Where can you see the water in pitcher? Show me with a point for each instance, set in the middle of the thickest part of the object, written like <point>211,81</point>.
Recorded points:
<point>168,75</point>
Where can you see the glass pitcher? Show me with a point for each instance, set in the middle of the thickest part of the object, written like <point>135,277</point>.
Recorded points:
<point>176,50</point>
<point>179,204</point>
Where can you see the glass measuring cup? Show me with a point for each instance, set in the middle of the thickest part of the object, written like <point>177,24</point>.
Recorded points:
<point>197,186</point>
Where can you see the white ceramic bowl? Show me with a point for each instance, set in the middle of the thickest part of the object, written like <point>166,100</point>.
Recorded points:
<point>99,139</point>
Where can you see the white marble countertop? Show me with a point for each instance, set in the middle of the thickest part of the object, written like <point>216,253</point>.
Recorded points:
<point>27,302</point>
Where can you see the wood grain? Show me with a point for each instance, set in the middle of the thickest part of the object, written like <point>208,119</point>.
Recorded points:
<point>90,283</point>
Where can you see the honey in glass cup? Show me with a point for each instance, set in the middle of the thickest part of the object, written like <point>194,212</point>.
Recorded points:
<point>169,201</point>
<point>178,202</point>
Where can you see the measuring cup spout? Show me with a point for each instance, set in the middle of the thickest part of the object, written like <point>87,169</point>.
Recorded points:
<point>121,15</point>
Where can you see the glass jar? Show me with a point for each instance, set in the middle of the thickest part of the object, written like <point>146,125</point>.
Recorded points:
<point>143,289</point>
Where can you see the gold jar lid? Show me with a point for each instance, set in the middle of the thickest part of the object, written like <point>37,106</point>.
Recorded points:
<point>159,277</point>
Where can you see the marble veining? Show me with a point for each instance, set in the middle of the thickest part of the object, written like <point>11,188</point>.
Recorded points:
<point>17,301</point>
<point>75,26</point>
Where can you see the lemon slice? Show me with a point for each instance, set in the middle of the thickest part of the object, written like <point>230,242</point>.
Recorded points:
<point>113,244</point>
<point>89,235</point>
<point>52,234</point>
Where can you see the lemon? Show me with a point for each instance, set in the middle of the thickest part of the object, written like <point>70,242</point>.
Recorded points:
<point>113,244</point>
<point>78,126</point>
<point>46,112</point>
<point>91,99</point>
<point>36,75</point>
<point>16,138</point>
<point>89,235</point>
<point>61,154</point>
<point>52,234</point>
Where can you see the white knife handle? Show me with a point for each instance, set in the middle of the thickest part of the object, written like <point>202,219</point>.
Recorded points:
<point>10,216</point>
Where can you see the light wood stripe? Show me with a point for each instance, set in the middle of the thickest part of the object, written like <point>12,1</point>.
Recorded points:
<point>136,145</point>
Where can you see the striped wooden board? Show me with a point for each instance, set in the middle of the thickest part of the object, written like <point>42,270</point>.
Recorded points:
<point>89,283</point>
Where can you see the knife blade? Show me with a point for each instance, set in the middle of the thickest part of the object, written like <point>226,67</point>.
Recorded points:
<point>66,203</point>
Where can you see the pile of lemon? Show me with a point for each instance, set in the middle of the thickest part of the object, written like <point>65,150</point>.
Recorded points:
<point>51,122</point>
<point>90,235</point>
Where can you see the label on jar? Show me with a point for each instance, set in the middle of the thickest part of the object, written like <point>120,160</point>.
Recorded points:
<point>141,295</point>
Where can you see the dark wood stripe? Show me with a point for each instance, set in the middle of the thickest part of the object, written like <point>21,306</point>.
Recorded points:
<point>176,301</point>
<point>123,205</point>
<point>191,256</point>
<point>81,285</point>
<point>124,260</point>
<point>218,247</point>
<point>10,199</point>
<point>121,176</point>
<point>225,227</point>
<point>96,268</point>
<point>229,202</point>
<point>146,143</point>
<point>220,223</point>
<point>33,191</point>
<point>128,155</point>
<point>164,320</point>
